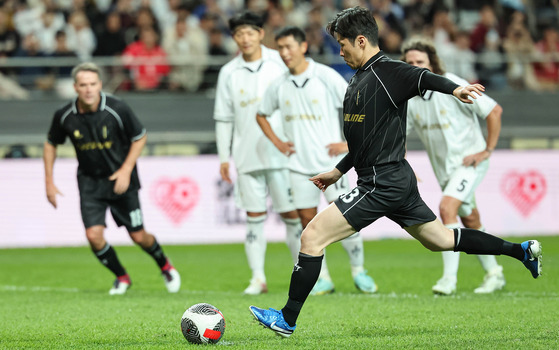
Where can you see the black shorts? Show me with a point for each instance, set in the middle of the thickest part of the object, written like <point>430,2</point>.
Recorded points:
<point>96,195</point>
<point>389,190</point>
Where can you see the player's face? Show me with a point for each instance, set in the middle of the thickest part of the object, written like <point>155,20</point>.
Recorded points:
<point>418,58</point>
<point>248,40</point>
<point>88,86</point>
<point>351,52</point>
<point>291,51</point>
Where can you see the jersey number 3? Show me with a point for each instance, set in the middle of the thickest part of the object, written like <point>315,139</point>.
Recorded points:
<point>348,198</point>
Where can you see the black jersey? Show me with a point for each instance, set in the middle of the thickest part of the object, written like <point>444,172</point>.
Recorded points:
<point>375,106</point>
<point>101,139</point>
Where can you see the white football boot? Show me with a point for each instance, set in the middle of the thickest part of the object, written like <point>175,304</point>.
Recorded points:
<point>256,286</point>
<point>120,286</point>
<point>493,280</point>
<point>445,286</point>
<point>172,279</point>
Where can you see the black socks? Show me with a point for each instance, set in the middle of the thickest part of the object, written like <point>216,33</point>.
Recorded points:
<point>107,256</point>
<point>473,241</point>
<point>304,276</point>
<point>157,254</point>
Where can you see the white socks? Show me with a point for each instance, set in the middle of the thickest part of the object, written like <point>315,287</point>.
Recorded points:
<point>353,246</point>
<point>255,246</point>
<point>293,229</point>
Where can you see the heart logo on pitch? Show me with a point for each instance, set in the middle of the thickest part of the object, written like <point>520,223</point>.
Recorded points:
<point>524,190</point>
<point>176,198</point>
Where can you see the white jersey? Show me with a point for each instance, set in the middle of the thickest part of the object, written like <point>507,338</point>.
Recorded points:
<point>448,128</point>
<point>309,104</point>
<point>240,87</point>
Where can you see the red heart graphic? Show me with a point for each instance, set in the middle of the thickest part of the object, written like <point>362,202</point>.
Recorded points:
<point>175,198</point>
<point>524,190</point>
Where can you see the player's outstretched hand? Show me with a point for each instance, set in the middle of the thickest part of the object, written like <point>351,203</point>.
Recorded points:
<point>121,177</point>
<point>52,191</point>
<point>323,180</point>
<point>468,92</point>
<point>224,172</point>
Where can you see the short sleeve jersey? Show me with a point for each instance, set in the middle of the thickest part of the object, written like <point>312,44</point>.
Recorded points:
<point>240,87</point>
<point>448,128</point>
<point>374,110</point>
<point>101,139</point>
<point>310,106</point>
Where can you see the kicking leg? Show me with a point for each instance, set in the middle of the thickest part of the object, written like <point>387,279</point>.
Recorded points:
<point>327,227</point>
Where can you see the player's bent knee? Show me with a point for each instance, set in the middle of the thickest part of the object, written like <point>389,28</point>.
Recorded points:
<point>311,242</point>
<point>138,237</point>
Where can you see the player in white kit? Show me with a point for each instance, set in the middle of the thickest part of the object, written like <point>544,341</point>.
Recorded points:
<point>459,155</point>
<point>261,168</point>
<point>309,98</point>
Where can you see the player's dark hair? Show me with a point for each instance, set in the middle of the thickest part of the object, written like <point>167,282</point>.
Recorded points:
<point>296,32</point>
<point>352,22</point>
<point>246,18</point>
<point>426,46</point>
<point>86,67</point>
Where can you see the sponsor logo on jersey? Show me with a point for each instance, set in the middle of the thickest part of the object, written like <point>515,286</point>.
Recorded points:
<point>289,118</point>
<point>250,102</point>
<point>354,118</point>
<point>90,146</point>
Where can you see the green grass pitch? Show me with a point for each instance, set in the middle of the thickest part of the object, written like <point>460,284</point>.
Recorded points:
<point>56,298</point>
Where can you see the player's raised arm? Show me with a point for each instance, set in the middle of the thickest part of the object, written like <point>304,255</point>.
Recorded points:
<point>49,156</point>
<point>284,147</point>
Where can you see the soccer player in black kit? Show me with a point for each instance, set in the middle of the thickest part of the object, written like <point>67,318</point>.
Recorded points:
<point>108,139</point>
<point>375,107</point>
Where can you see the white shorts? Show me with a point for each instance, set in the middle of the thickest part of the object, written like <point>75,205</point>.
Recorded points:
<point>252,189</point>
<point>307,195</point>
<point>462,186</point>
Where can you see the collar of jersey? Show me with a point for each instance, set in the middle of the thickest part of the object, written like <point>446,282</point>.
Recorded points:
<point>300,80</point>
<point>102,104</point>
<point>265,57</point>
<point>372,60</point>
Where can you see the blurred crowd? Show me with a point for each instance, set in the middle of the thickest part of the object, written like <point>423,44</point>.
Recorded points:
<point>179,45</point>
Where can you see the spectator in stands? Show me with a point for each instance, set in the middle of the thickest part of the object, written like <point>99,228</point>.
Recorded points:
<point>61,76</point>
<point>274,19</point>
<point>62,50</point>
<point>9,39</point>
<point>111,40</point>
<point>520,49</point>
<point>26,18</point>
<point>461,59</point>
<point>546,66</point>
<point>50,23</point>
<point>29,76</point>
<point>491,63</point>
<point>80,36</point>
<point>217,49</point>
<point>187,51</point>
<point>144,19</point>
<point>146,60</point>
<point>127,12</point>
<point>487,25</point>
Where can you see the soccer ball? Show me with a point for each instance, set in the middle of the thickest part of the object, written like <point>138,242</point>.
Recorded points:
<point>203,324</point>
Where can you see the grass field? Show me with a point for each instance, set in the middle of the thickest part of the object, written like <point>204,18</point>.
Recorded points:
<point>57,299</point>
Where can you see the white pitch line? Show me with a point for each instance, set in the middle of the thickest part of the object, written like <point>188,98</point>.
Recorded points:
<point>38,289</point>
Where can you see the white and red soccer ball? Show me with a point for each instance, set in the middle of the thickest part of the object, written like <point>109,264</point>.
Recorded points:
<point>203,324</point>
